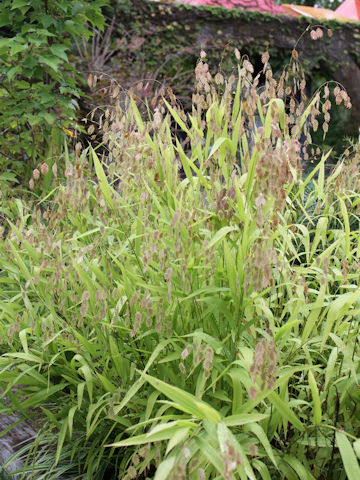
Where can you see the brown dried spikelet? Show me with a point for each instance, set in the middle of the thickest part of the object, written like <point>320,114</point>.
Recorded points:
<point>219,79</point>
<point>44,168</point>
<point>90,80</point>
<point>84,303</point>
<point>265,57</point>
<point>168,274</point>
<point>115,92</point>
<point>201,474</point>
<point>316,34</point>
<point>265,363</point>
<point>248,66</point>
<point>253,450</point>
<point>320,32</point>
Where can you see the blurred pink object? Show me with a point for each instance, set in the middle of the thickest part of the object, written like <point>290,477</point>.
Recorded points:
<point>314,12</point>
<point>350,9</point>
<point>261,5</point>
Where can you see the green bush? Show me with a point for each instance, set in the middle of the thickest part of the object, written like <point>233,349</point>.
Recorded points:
<point>196,328</point>
<point>38,86</point>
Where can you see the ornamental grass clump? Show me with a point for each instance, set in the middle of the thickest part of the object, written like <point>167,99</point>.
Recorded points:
<point>188,306</point>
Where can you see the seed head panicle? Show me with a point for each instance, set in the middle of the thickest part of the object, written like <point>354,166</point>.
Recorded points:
<point>264,366</point>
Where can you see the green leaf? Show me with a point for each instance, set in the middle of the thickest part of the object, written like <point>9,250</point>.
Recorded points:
<point>226,438</point>
<point>315,399</point>
<point>347,352</point>
<point>140,381</point>
<point>344,212</point>
<point>80,394</point>
<point>284,410</point>
<point>60,440</point>
<point>5,19</point>
<point>51,61</point>
<point>305,115</point>
<point>269,116</point>
<point>243,418</point>
<point>109,387</point>
<point>211,454</point>
<point>338,308</point>
<point>356,447</point>
<point>178,120</point>
<point>9,177</point>
<point>219,235</point>
<point>179,437</point>
<point>166,433</point>
<point>70,419</point>
<point>262,469</point>
<point>17,48</point>
<point>218,143</point>
<point>316,308</point>
<point>27,357</point>
<point>50,118</point>
<point>46,20</point>
<point>42,396</point>
<point>165,468</point>
<point>23,339</point>
<point>22,85</point>
<point>19,4</point>
<point>261,435</point>
<point>104,185</point>
<point>237,391</point>
<point>330,368</point>
<point>298,467</point>
<point>13,71</point>
<point>137,115</point>
<point>187,401</point>
<point>185,162</point>
<point>95,17</point>
<point>348,457</point>
<point>59,51</point>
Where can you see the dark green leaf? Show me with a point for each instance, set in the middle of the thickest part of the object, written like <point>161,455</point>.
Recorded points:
<point>19,4</point>
<point>51,61</point>
<point>59,51</point>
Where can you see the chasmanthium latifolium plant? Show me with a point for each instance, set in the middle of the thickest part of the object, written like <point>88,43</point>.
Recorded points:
<point>191,310</point>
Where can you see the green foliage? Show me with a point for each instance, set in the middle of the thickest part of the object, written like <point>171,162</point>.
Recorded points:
<point>3,476</point>
<point>197,327</point>
<point>38,86</point>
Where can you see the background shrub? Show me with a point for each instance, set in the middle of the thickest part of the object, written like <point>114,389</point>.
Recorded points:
<point>38,86</point>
